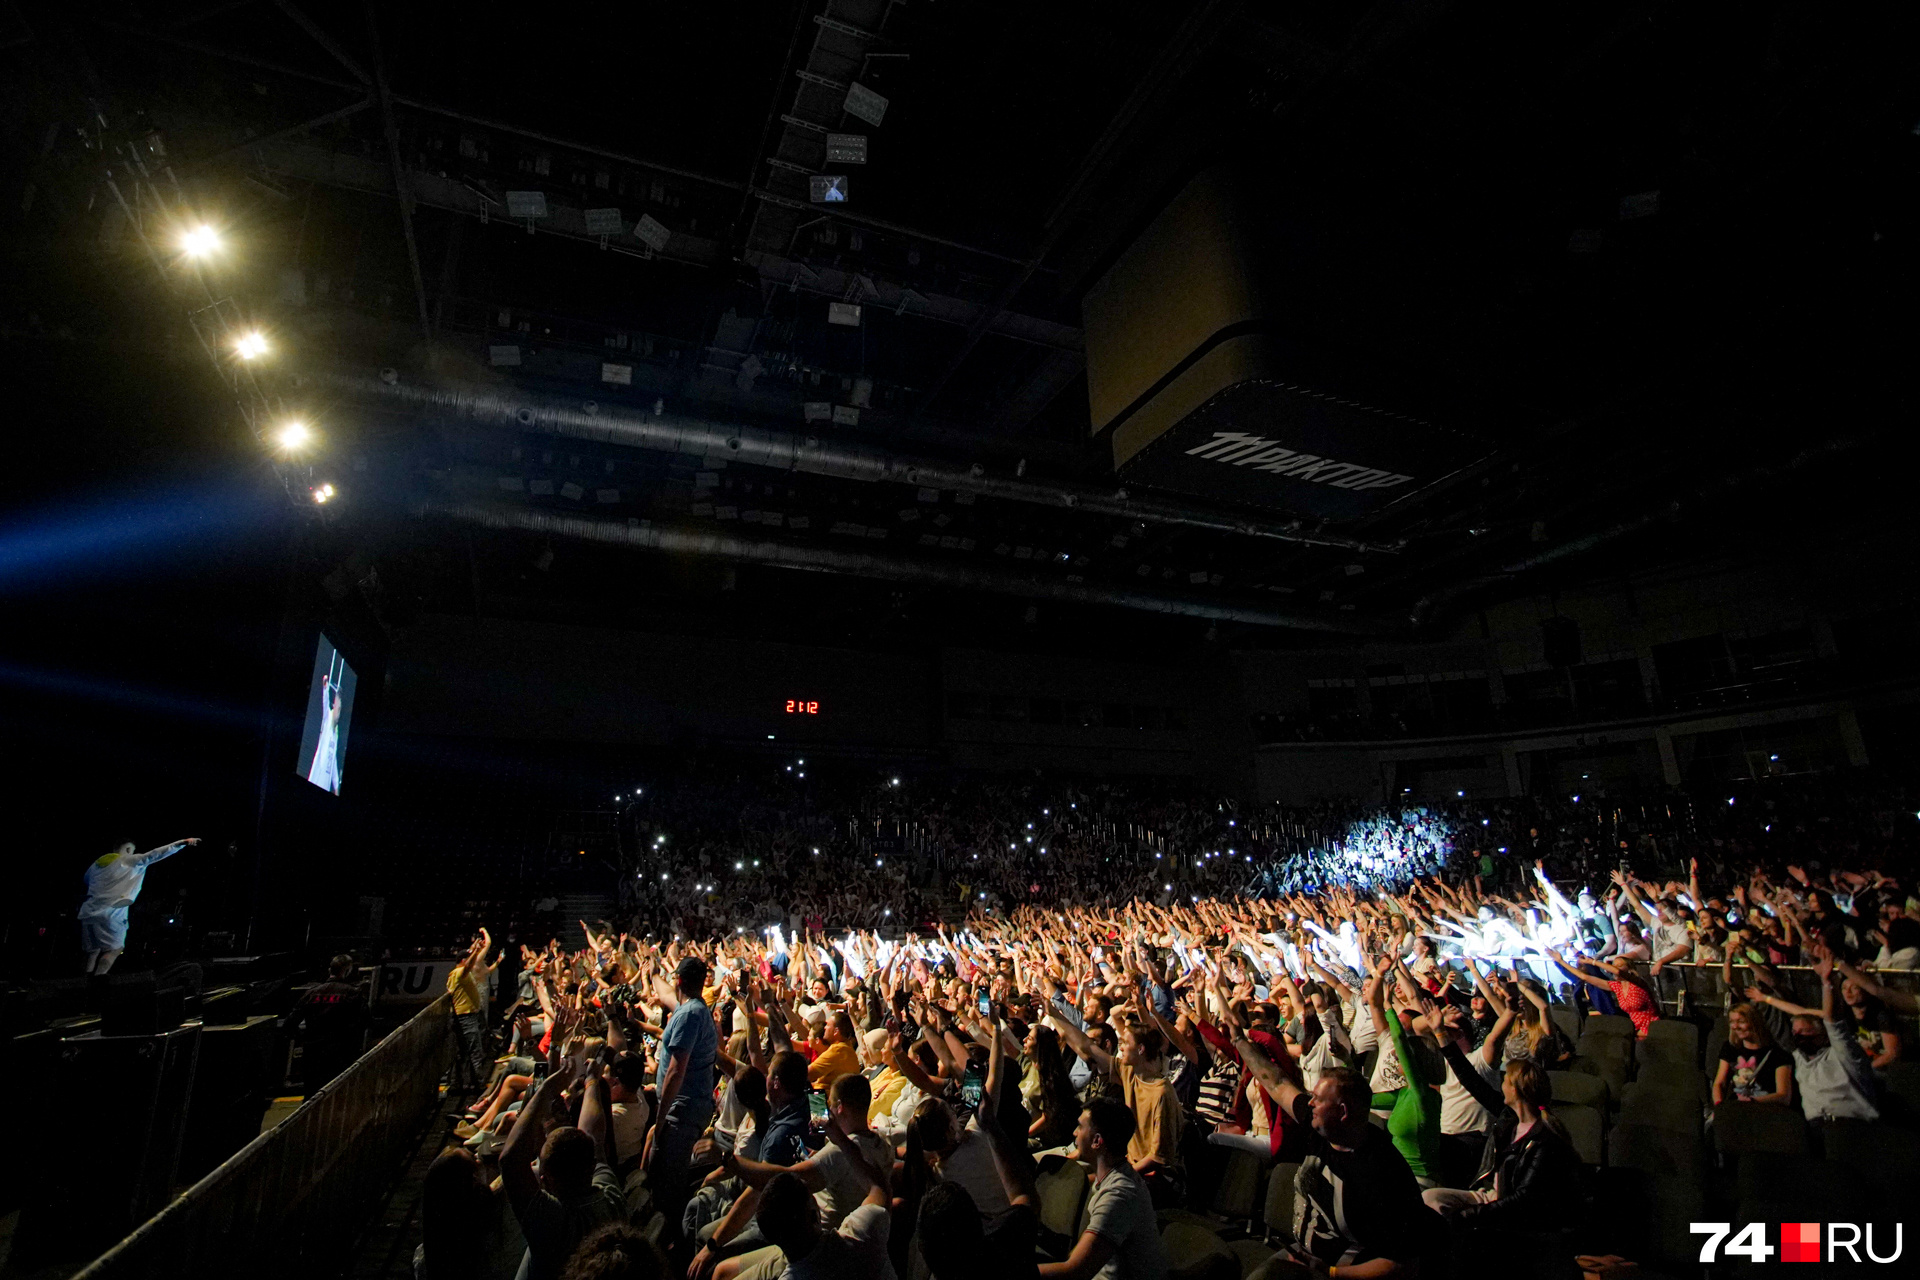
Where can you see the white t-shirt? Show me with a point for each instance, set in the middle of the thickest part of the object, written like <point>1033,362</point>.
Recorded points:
<point>971,1165</point>
<point>1459,1111</point>
<point>857,1251</point>
<point>846,1188</point>
<point>630,1127</point>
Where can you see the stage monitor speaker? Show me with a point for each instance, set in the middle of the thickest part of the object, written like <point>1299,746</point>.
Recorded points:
<point>138,1004</point>
<point>103,1169</point>
<point>1560,637</point>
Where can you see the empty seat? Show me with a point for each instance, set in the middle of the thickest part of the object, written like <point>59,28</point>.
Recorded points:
<point>1277,1220</point>
<point>1585,1127</point>
<point>1612,1024</point>
<point>1716,1036</point>
<point>1893,1155</point>
<point>1579,1088</point>
<point>1663,1153</point>
<point>1604,1046</point>
<point>1568,1020</point>
<point>1903,1090</point>
<point>1611,1072</point>
<point>1773,1174</point>
<point>1674,1205</point>
<point>1670,1040</point>
<point>1195,1253</point>
<point>1660,1108</point>
<point>1062,1189</point>
<point>1740,1127</point>
<point>1238,1195</point>
<point>1674,1077</point>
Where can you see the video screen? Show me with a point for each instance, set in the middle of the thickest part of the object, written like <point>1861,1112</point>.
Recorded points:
<point>323,739</point>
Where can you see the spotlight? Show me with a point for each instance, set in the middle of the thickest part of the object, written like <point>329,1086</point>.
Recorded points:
<point>294,435</point>
<point>250,345</point>
<point>200,242</point>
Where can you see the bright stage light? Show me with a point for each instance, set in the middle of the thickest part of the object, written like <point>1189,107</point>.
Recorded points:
<point>200,242</point>
<point>294,435</point>
<point>250,345</point>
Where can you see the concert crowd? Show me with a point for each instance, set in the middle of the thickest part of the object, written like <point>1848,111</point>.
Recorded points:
<point>1040,1031</point>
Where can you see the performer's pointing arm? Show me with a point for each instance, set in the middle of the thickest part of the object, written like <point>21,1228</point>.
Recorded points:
<point>152,856</point>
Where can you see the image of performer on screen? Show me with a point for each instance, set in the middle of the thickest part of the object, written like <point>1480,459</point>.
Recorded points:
<point>324,771</point>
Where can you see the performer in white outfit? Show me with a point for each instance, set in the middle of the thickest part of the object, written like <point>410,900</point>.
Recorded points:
<point>113,882</point>
<point>325,770</point>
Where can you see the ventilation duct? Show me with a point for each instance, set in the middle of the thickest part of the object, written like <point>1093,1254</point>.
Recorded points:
<point>815,455</point>
<point>890,568</point>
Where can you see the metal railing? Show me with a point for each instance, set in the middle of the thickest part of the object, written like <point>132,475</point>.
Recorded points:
<point>1706,991</point>
<point>291,1201</point>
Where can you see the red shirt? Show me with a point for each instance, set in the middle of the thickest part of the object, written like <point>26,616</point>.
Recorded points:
<point>1636,1004</point>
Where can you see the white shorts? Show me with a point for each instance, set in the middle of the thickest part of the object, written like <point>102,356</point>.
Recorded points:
<point>106,932</point>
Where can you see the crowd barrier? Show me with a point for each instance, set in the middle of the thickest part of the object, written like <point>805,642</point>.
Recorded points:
<point>290,1201</point>
<point>1705,991</point>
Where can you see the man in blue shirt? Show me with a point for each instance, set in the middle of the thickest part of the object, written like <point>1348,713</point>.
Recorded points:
<point>685,1085</point>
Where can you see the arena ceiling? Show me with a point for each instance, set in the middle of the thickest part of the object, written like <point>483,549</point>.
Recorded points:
<point>1661,257</point>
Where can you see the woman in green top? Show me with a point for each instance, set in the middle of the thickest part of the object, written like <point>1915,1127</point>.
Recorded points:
<point>1413,1100</point>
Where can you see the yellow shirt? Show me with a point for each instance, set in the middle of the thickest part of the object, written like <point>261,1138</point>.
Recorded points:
<point>464,990</point>
<point>887,1088</point>
<point>1156,1113</point>
<point>835,1060</point>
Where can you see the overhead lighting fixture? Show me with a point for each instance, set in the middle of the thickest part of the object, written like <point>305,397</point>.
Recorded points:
<point>827,188</point>
<point>250,345</point>
<point>846,148</point>
<point>526,204</point>
<point>201,241</point>
<point>294,435</point>
<point>863,103</point>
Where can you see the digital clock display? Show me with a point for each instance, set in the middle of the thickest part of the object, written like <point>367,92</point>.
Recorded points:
<point>803,707</point>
